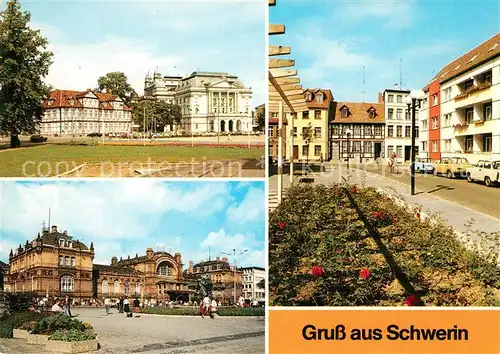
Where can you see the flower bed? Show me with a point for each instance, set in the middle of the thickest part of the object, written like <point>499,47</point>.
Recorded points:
<point>348,246</point>
<point>195,311</point>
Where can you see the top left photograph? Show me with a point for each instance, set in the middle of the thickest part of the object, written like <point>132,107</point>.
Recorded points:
<point>132,89</point>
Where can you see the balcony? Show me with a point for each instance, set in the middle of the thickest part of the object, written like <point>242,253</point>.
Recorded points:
<point>477,127</point>
<point>475,94</point>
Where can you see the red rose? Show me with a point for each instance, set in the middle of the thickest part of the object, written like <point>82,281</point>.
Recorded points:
<point>354,189</point>
<point>317,271</point>
<point>281,225</point>
<point>347,260</point>
<point>418,215</point>
<point>411,300</point>
<point>365,273</point>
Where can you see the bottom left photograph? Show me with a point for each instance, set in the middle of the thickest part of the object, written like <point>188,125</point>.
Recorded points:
<point>132,266</point>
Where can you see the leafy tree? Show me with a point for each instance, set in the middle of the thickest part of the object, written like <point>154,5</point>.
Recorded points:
<point>24,62</point>
<point>151,112</point>
<point>261,119</point>
<point>117,83</point>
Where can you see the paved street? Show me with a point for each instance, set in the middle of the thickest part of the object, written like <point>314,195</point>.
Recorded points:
<point>164,334</point>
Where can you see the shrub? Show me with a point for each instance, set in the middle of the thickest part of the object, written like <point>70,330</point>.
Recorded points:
<point>19,301</point>
<point>52,324</point>
<point>73,335</point>
<point>17,319</point>
<point>136,302</point>
<point>29,326</point>
<point>37,139</point>
<point>6,330</point>
<point>195,311</point>
<point>371,252</point>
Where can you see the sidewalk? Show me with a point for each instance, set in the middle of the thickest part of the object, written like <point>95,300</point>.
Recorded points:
<point>456,215</point>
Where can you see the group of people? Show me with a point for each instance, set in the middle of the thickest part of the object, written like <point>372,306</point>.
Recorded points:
<point>208,307</point>
<point>123,305</point>
<point>62,306</point>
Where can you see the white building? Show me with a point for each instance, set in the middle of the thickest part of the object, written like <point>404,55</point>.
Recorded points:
<point>397,124</point>
<point>251,277</point>
<point>210,102</point>
<point>79,113</point>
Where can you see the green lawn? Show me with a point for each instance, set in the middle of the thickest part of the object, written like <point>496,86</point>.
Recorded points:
<point>25,162</point>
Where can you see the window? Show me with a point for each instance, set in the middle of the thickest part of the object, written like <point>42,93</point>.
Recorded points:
<point>164,269</point>
<point>408,114</point>
<point>447,145</point>
<point>399,151</point>
<point>487,77</point>
<point>61,260</point>
<point>424,124</point>
<point>408,131</point>
<point>434,100</point>
<point>73,261</point>
<point>390,98</point>
<point>447,120</point>
<point>468,84</point>
<point>104,286</point>
<point>305,150</point>
<point>67,283</point>
<point>127,287</point>
<point>66,261</point>
<point>305,115</point>
<point>357,146</point>
<point>319,97</point>
<point>357,130</point>
<point>487,111</point>
<point>416,132</point>
<point>434,146</point>
<point>435,123</point>
<point>335,130</point>
<point>487,143</point>
<point>270,131</point>
<point>390,113</point>
<point>317,114</point>
<point>390,150</point>
<point>390,131</point>
<point>469,115</point>
<point>368,130</point>
<point>137,288</point>
<point>424,145</point>
<point>399,131</point>
<point>116,287</point>
<point>399,114</point>
<point>371,113</point>
<point>447,94</point>
<point>305,132</point>
<point>344,113</point>
<point>317,132</point>
<point>400,99</point>
<point>378,130</point>
<point>295,131</point>
<point>469,143</point>
<point>367,147</point>
<point>317,150</point>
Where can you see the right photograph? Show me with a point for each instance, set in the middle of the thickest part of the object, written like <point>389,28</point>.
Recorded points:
<point>384,154</point>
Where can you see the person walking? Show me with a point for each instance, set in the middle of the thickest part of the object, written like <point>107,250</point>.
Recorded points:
<point>106,305</point>
<point>126,305</point>
<point>120,305</point>
<point>213,308</point>
<point>68,305</point>
<point>205,306</point>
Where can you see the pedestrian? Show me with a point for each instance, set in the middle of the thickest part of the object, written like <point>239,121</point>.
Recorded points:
<point>229,137</point>
<point>68,305</point>
<point>106,305</point>
<point>205,306</point>
<point>120,305</point>
<point>213,308</point>
<point>57,307</point>
<point>126,305</point>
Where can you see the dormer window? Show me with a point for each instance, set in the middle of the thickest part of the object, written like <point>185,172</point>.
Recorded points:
<point>61,243</point>
<point>71,101</point>
<point>371,112</point>
<point>308,97</point>
<point>344,112</point>
<point>319,97</point>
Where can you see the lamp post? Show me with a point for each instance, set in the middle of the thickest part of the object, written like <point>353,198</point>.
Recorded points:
<point>234,275</point>
<point>413,102</point>
<point>348,133</point>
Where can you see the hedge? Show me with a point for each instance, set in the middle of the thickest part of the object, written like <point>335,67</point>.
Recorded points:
<point>191,311</point>
<point>342,245</point>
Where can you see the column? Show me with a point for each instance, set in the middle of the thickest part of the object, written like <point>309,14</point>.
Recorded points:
<point>227,101</point>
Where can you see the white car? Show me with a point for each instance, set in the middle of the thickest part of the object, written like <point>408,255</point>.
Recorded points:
<point>486,171</point>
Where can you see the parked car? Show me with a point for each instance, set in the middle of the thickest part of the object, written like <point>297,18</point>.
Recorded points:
<point>486,171</point>
<point>424,165</point>
<point>452,167</point>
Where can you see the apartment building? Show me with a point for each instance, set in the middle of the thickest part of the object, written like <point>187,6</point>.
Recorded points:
<point>462,109</point>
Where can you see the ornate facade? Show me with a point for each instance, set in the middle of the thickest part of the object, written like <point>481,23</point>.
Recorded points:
<point>81,113</point>
<point>210,101</point>
<point>53,264</point>
<point>223,277</point>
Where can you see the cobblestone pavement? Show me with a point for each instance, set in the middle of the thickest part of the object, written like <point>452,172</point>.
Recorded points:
<point>118,334</point>
<point>158,334</point>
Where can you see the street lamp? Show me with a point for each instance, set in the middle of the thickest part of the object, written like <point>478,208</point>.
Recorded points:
<point>348,133</point>
<point>234,276</point>
<point>413,102</point>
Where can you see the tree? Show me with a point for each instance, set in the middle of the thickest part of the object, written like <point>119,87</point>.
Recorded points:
<point>261,119</point>
<point>157,113</point>
<point>24,62</point>
<point>117,83</point>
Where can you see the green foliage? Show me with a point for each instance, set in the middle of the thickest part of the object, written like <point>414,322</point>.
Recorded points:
<point>19,301</point>
<point>261,119</point>
<point>151,112</point>
<point>73,335</point>
<point>6,330</point>
<point>24,62</point>
<point>136,302</point>
<point>29,326</point>
<point>18,320</point>
<point>117,83</point>
<point>195,311</point>
<point>52,324</point>
<point>345,229</point>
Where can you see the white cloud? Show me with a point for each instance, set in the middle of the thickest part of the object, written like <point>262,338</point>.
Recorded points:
<point>104,210</point>
<point>250,209</point>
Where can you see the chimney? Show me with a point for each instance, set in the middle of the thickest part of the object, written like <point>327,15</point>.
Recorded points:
<point>191,267</point>
<point>65,232</point>
<point>53,229</point>
<point>396,87</point>
<point>380,97</point>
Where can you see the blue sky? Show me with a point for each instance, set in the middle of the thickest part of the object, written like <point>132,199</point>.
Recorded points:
<point>332,40</point>
<point>125,217</point>
<point>91,38</point>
